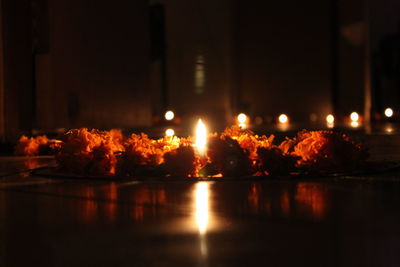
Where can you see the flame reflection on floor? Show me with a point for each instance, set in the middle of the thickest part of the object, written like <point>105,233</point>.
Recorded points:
<point>202,206</point>
<point>202,214</point>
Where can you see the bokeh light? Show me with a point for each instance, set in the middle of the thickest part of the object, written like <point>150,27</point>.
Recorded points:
<point>388,112</point>
<point>170,132</point>
<point>283,118</point>
<point>330,119</point>
<point>169,115</point>
<point>242,118</point>
<point>354,116</point>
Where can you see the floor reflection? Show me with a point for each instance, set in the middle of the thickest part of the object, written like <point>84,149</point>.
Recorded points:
<point>304,200</point>
<point>311,200</point>
<point>89,207</point>
<point>111,202</point>
<point>111,205</point>
<point>147,202</point>
<point>202,208</point>
<point>202,214</point>
<point>285,203</point>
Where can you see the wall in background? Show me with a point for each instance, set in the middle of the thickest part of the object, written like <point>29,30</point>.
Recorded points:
<point>222,57</point>
<point>351,56</point>
<point>96,71</point>
<point>2,115</point>
<point>385,46</point>
<point>17,63</point>
<point>283,57</point>
<point>199,54</point>
<point>70,63</point>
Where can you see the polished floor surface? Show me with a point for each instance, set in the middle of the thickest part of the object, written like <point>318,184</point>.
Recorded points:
<point>334,221</point>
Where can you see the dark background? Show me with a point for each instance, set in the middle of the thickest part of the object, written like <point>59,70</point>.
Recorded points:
<point>105,64</point>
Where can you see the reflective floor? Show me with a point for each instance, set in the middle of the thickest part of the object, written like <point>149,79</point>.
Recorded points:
<point>341,221</point>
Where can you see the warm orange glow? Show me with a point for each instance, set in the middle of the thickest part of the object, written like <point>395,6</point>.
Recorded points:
<point>285,203</point>
<point>89,206</point>
<point>201,137</point>
<point>32,163</point>
<point>311,199</point>
<point>111,205</point>
<point>254,198</point>
<point>147,200</point>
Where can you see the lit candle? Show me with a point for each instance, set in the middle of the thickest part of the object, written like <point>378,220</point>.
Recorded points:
<point>169,115</point>
<point>283,119</point>
<point>388,112</point>
<point>201,138</point>
<point>354,117</point>
<point>330,121</point>
<point>283,122</point>
<point>170,132</point>
<point>242,120</point>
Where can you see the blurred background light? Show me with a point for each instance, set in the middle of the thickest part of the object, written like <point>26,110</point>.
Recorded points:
<point>169,115</point>
<point>388,112</point>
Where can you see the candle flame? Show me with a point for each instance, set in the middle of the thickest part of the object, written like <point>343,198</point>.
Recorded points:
<point>242,118</point>
<point>388,112</point>
<point>201,137</point>
<point>170,132</point>
<point>330,121</point>
<point>169,115</point>
<point>283,119</point>
<point>354,117</point>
